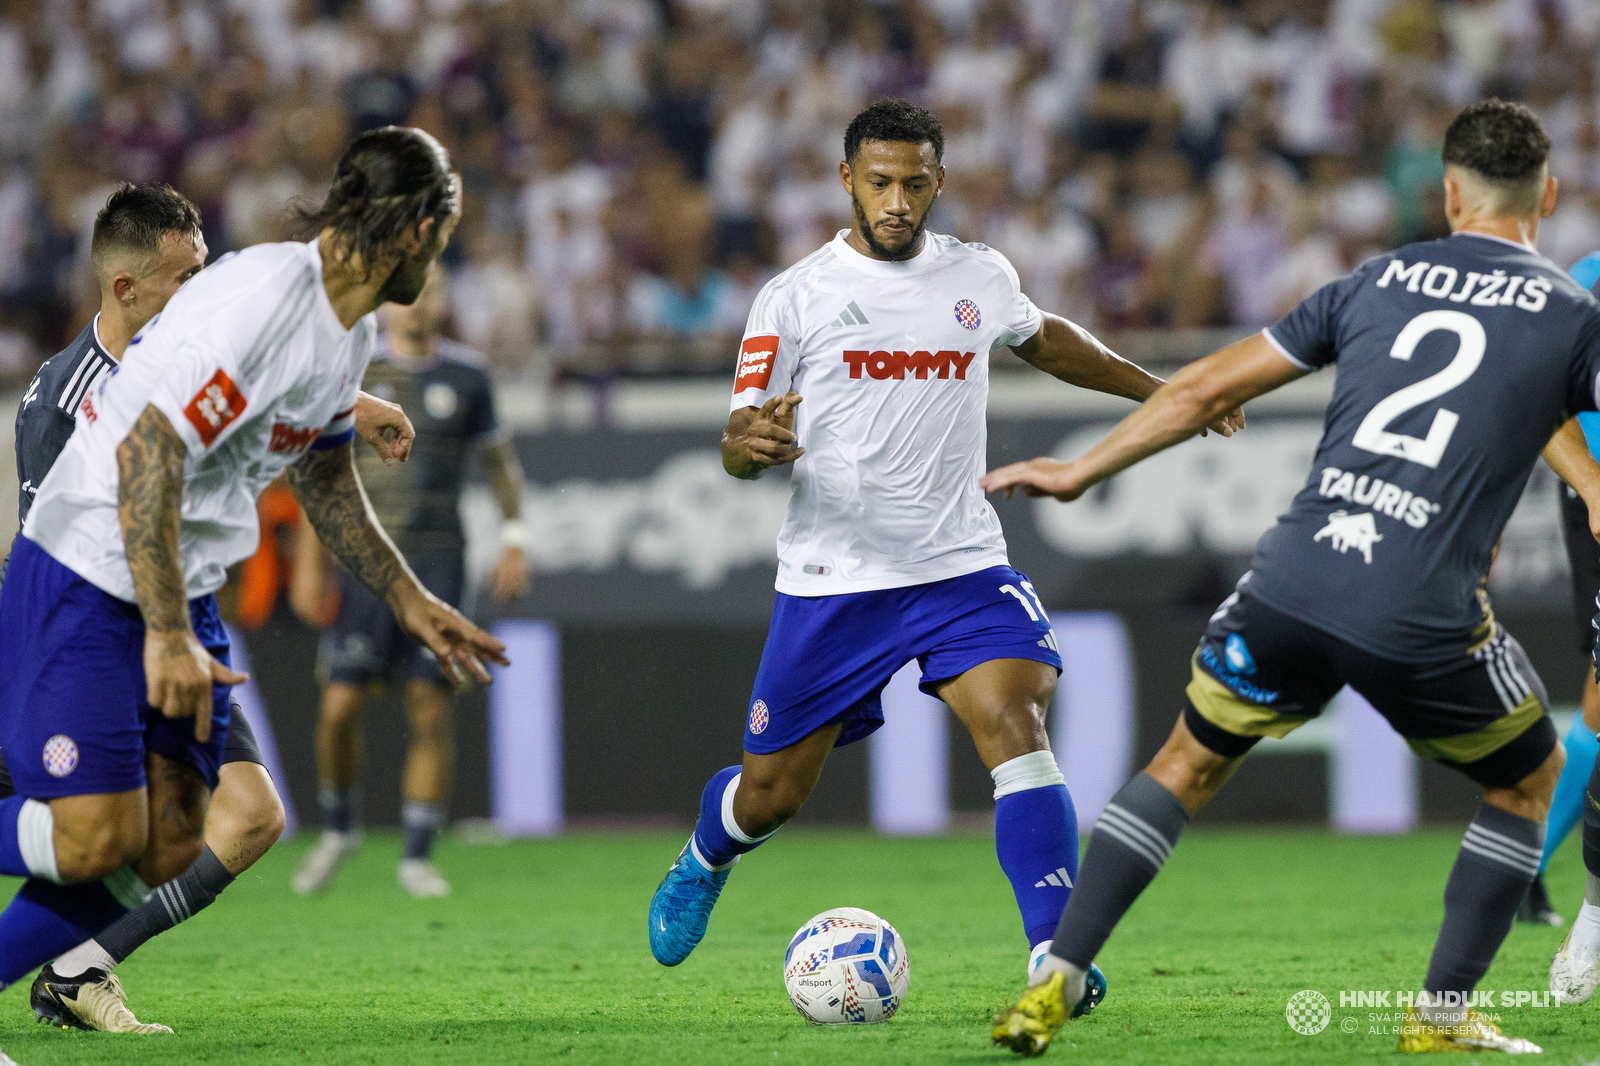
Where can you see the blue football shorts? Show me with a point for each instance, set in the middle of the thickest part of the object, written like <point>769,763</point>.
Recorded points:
<point>827,658</point>
<point>73,716</point>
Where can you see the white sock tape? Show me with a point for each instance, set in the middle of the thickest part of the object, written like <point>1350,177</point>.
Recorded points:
<point>730,825</point>
<point>127,887</point>
<point>36,832</point>
<point>1037,769</point>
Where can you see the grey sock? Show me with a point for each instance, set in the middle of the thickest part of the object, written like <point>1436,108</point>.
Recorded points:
<point>421,820</point>
<point>176,901</point>
<point>1499,858</point>
<point>341,807</point>
<point>1130,842</point>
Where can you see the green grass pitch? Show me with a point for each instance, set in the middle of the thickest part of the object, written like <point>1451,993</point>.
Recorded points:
<point>541,956</point>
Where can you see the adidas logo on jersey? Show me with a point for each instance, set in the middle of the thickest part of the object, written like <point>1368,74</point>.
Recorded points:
<point>884,365</point>
<point>1059,879</point>
<point>852,316</point>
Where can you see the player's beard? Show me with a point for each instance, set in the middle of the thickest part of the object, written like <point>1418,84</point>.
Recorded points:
<point>406,281</point>
<point>895,255</point>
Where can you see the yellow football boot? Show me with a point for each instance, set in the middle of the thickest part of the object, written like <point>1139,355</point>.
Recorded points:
<point>1477,1033</point>
<point>1028,1027</point>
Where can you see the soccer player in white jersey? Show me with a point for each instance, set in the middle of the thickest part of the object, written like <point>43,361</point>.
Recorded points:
<point>110,640</point>
<point>889,551</point>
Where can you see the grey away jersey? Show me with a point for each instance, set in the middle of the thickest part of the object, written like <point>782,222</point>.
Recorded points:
<point>1457,359</point>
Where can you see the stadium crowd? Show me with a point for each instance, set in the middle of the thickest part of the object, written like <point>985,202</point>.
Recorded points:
<point>637,169</point>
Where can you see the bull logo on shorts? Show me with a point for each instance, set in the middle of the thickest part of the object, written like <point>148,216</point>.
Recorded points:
<point>1345,531</point>
<point>60,755</point>
<point>758,716</point>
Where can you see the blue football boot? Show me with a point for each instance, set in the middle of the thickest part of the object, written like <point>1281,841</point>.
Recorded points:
<point>1094,981</point>
<point>1094,990</point>
<point>682,906</point>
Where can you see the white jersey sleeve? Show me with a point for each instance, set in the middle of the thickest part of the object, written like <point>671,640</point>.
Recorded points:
<point>1019,318</point>
<point>770,351</point>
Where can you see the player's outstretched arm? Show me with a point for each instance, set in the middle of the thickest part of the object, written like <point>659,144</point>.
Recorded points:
<point>1067,351</point>
<point>1196,396</point>
<point>758,439</point>
<point>178,670</point>
<point>1569,456</point>
<point>329,490</point>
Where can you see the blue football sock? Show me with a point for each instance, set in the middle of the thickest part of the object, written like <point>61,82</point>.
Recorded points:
<point>718,841</point>
<point>44,920</point>
<point>27,842</point>
<point>1566,806</point>
<point>1036,837</point>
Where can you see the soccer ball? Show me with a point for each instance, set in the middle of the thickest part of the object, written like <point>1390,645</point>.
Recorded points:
<point>846,966</point>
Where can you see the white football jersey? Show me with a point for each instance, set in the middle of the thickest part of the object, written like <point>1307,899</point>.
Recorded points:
<point>892,360</point>
<point>252,367</point>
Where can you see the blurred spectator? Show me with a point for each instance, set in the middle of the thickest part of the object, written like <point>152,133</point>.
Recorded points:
<point>637,169</point>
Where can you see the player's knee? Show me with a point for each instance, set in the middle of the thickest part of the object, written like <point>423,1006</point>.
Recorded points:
<point>270,822</point>
<point>341,704</point>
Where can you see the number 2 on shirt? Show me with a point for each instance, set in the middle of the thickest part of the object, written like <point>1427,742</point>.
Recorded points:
<point>1371,435</point>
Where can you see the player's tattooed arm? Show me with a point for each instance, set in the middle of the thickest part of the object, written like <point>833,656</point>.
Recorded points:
<point>149,505</point>
<point>329,489</point>
<point>179,671</point>
<point>756,439</point>
<point>1067,351</point>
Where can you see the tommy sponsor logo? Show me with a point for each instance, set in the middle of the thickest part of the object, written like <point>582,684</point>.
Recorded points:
<point>1059,879</point>
<point>756,356</point>
<point>60,755</point>
<point>1494,289</point>
<point>286,438</point>
<point>1383,497</point>
<point>758,716</point>
<point>215,407</point>
<point>87,407</point>
<point>885,365</point>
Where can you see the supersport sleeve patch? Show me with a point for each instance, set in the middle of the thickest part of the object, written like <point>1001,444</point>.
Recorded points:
<point>215,407</point>
<point>756,356</point>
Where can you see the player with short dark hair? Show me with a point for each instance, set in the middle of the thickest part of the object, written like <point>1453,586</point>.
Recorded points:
<point>445,385</point>
<point>1458,359</point>
<point>889,552</point>
<point>251,371</point>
